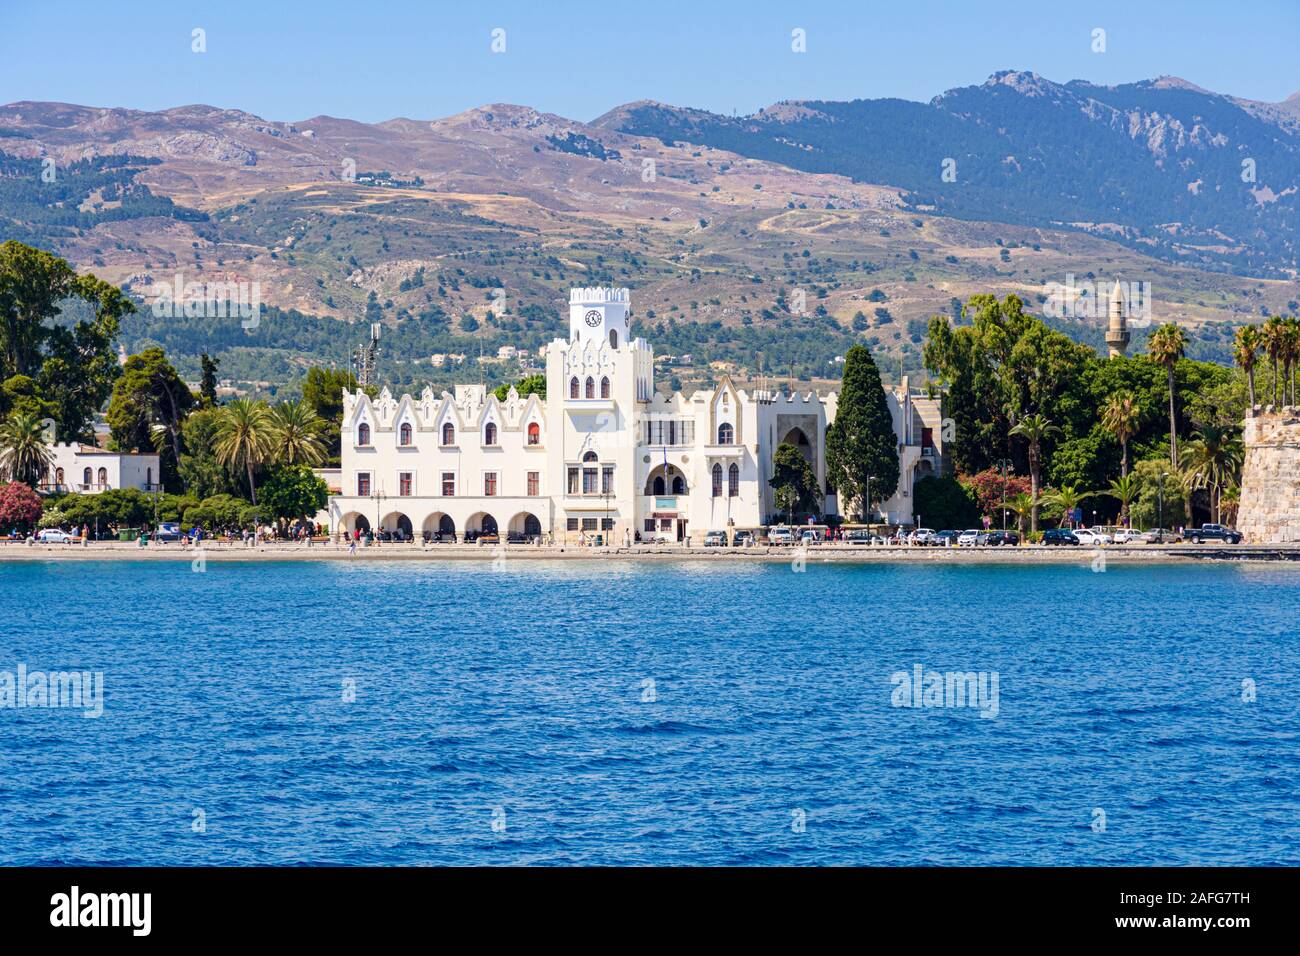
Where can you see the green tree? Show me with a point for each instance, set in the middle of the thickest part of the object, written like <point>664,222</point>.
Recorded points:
<point>1066,499</point>
<point>1166,346</point>
<point>1274,337</point>
<point>794,481</point>
<point>1214,460</point>
<point>1121,417</point>
<point>149,394</point>
<point>200,472</point>
<point>294,491</point>
<point>245,438</point>
<point>297,434</point>
<point>1125,491</point>
<point>1245,352</point>
<point>208,381</point>
<point>1035,429</point>
<point>528,385</point>
<point>24,452</point>
<point>322,392</point>
<point>861,446</point>
<point>19,394</point>
<point>944,502</point>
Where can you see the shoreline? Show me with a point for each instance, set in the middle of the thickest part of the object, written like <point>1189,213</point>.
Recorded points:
<point>1030,555</point>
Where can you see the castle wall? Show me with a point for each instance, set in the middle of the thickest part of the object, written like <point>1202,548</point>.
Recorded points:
<point>1270,478</point>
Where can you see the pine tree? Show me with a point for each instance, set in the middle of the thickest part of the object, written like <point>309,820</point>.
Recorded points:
<point>861,445</point>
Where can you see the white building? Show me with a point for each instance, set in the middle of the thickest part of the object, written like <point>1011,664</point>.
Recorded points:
<point>604,454</point>
<point>87,469</point>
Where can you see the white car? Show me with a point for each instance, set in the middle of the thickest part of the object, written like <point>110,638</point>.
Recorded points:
<point>780,536</point>
<point>1094,538</point>
<point>968,539</point>
<point>810,536</point>
<point>54,536</point>
<point>1129,536</point>
<point>923,536</point>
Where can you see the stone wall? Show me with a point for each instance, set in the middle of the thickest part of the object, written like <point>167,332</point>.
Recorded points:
<point>1270,477</point>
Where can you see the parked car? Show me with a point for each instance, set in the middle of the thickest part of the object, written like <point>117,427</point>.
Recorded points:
<point>1060,536</point>
<point>780,536</point>
<point>859,536</point>
<point>54,536</point>
<point>810,536</point>
<point>1128,536</point>
<point>923,536</point>
<point>1092,537</point>
<point>969,538</point>
<point>1161,536</point>
<point>996,539</point>
<point>1214,532</point>
<point>715,539</point>
<point>946,539</point>
<point>742,539</point>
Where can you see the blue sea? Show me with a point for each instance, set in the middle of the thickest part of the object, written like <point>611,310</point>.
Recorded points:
<point>608,712</point>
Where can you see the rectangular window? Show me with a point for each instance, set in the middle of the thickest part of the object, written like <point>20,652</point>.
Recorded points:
<point>572,524</point>
<point>588,524</point>
<point>404,484</point>
<point>650,524</point>
<point>448,484</point>
<point>606,524</point>
<point>573,481</point>
<point>607,480</point>
<point>489,484</point>
<point>534,483</point>
<point>665,524</point>
<point>363,484</point>
<point>589,481</point>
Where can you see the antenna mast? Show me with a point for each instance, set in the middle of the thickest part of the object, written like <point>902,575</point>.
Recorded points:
<point>364,356</point>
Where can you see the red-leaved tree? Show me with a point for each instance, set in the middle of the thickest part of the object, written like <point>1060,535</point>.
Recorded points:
<point>989,487</point>
<point>20,507</point>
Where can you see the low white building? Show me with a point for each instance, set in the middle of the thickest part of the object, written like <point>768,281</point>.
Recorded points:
<point>86,469</point>
<point>605,453</point>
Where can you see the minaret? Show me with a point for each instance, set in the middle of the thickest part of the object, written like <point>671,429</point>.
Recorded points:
<point>1117,334</point>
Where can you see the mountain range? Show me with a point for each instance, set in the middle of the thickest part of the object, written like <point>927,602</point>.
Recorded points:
<point>758,244</point>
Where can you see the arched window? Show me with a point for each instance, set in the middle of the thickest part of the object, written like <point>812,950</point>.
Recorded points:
<point>604,387</point>
<point>679,485</point>
<point>726,434</point>
<point>58,475</point>
<point>490,434</point>
<point>659,484</point>
<point>613,338</point>
<point>405,433</point>
<point>733,481</point>
<point>448,433</point>
<point>85,478</point>
<point>589,456</point>
<point>717,481</point>
<point>573,387</point>
<point>103,477</point>
<point>363,434</point>
<point>591,387</point>
<point>534,433</point>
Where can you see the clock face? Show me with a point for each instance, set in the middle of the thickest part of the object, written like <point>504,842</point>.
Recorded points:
<point>592,318</point>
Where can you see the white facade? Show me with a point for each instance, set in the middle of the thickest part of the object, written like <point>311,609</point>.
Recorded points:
<point>86,469</point>
<point>604,454</point>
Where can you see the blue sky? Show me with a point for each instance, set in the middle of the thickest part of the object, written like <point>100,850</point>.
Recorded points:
<point>374,61</point>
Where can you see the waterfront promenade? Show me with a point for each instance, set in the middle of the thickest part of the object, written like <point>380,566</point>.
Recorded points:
<point>839,553</point>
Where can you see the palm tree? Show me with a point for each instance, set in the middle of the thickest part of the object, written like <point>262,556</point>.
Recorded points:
<point>245,437</point>
<point>1229,501</point>
<point>1245,352</point>
<point>1034,428</point>
<point>1214,462</point>
<point>1291,353</point>
<point>297,434</point>
<point>1022,504</point>
<point>1166,346</point>
<point>1121,417</point>
<point>1125,491</point>
<point>1274,335</point>
<point>1067,498</point>
<point>24,454</point>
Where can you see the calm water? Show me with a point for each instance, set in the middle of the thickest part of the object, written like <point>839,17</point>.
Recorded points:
<point>517,697</point>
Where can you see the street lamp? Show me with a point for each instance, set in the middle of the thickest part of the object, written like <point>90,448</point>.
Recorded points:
<point>1004,464</point>
<point>1160,498</point>
<point>866,512</point>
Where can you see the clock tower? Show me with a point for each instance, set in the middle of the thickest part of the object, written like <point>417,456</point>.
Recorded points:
<point>598,315</point>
